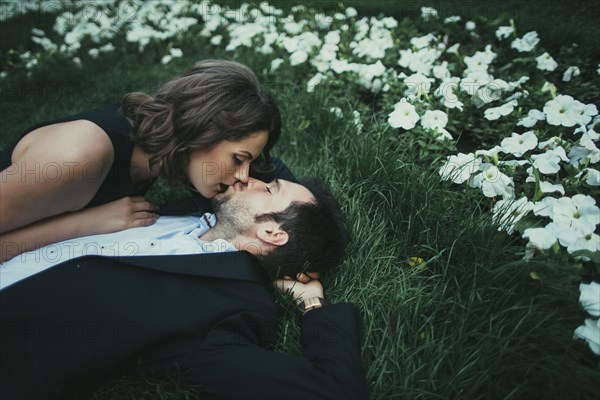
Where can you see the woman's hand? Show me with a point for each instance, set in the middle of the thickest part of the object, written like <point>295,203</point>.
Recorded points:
<point>301,290</point>
<point>118,215</point>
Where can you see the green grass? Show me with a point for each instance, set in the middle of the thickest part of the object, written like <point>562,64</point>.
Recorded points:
<point>469,324</point>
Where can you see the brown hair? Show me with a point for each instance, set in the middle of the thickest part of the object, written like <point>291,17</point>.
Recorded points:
<point>215,100</point>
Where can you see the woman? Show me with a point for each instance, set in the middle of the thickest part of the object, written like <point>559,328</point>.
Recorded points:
<point>84,174</point>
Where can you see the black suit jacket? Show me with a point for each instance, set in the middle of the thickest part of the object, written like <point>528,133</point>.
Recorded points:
<point>209,318</point>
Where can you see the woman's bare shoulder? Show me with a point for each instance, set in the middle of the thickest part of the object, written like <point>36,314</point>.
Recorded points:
<point>72,141</point>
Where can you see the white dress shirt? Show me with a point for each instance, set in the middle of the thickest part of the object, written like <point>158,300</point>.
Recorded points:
<point>169,235</point>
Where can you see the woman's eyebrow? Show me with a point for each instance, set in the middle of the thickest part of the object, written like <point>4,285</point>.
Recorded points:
<point>248,154</point>
<point>278,185</point>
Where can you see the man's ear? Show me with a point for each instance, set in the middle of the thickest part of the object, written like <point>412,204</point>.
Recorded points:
<point>271,233</point>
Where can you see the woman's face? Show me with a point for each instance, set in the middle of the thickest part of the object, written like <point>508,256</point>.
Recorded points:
<point>211,172</point>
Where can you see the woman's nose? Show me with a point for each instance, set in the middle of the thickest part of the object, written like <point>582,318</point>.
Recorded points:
<point>242,173</point>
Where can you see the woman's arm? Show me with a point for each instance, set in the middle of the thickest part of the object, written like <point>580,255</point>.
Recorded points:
<point>55,169</point>
<point>125,213</point>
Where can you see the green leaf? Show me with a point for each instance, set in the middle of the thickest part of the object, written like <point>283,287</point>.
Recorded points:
<point>304,125</point>
<point>594,256</point>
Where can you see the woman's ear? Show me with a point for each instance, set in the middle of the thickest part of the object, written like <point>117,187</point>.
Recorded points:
<point>271,233</point>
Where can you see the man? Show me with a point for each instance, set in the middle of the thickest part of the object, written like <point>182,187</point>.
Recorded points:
<point>209,318</point>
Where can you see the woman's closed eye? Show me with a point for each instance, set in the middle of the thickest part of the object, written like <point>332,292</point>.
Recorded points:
<point>238,160</point>
<point>268,190</point>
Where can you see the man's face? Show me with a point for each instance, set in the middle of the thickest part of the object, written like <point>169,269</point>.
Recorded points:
<point>237,207</point>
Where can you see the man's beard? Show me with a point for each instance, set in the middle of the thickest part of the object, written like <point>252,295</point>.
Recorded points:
<point>233,218</point>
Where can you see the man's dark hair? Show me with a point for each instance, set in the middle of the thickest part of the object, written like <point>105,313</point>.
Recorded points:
<point>317,234</point>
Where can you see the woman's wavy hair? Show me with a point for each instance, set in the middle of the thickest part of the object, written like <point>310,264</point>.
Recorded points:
<point>215,100</point>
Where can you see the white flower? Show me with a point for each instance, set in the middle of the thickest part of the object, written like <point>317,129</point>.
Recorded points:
<point>474,80</point>
<point>276,63</point>
<point>490,92</point>
<point>175,52</point>
<point>590,332</point>
<point>579,212</point>
<point>389,22</point>
<point>589,242</point>
<point>38,32</point>
<point>441,71</point>
<point>504,32</point>
<point>570,73</point>
<point>298,57</point>
<point>493,182</point>
<point>447,91</point>
<point>526,43</point>
<point>545,62</point>
<point>314,81</point>
<point>368,73</point>
<point>585,152</point>
<point>336,111</point>
<point>453,49</point>
<point>442,135</point>
<point>417,85</point>
<point>357,120</point>
<point>93,53</point>
<point>428,13</point>
<point>404,115</point>
<point>592,176</point>
<point>584,112</point>
<point>548,162</point>
<point>590,297</point>
<point>293,28</point>
<point>423,41</point>
<point>460,167</point>
<point>434,119</point>
<point>470,25</point>
<point>542,238</point>
<point>351,12</point>
<point>494,113</point>
<point>216,40</point>
<point>481,60</point>
<point>551,143</point>
<point>491,153</point>
<point>533,116</point>
<point>452,19</point>
<point>332,37</point>
<point>544,207</point>
<point>107,48</point>
<point>561,111</point>
<point>519,144</point>
<point>547,187</point>
<point>598,70</point>
<point>506,213</point>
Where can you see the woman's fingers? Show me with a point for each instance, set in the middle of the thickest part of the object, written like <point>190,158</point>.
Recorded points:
<point>138,203</point>
<point>305,277</point>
